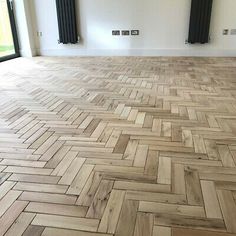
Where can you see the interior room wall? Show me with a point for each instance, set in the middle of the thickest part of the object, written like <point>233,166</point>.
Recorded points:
<point>24,28</point>
<point>163,26</point>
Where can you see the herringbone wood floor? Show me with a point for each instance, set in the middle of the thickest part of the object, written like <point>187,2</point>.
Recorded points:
<point>118,146</point>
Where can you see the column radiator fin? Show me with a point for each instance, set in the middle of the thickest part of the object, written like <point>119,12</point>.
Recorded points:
<point>67,25</point>
<point>200,19</point>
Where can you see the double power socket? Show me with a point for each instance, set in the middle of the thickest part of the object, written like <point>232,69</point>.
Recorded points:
<point>229,32</point>
<point>125,32</point>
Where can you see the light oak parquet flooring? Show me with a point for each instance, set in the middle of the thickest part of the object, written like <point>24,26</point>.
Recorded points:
<point>123,146</point>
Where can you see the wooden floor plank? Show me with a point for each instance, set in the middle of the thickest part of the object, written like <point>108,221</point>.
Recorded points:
<point>66,222</point>
<point>63,232</point>
<point>210,199</point>
<point>46,188</point>
<point>116,146</point>
<point>48,198</point>
<point>111,214</point>
<point>228,207</point>
<point>190,232</point>
<point>144,225</point>
<point>56,209</point>
<point>160,230</point>
<point>175,209</point>
<point>11,215</point>
<point>100,200</point>
<point>21,224</point>
<point>127,218</point>
<point>164,170</point>
<point>71,172</point>
<point>8,200</point>
<point>33,230</point>
<point>80,180</point>
<point>5,188</point>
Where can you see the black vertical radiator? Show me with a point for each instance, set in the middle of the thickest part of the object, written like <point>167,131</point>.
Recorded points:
<point>67,25</point>
<point>200,19</point>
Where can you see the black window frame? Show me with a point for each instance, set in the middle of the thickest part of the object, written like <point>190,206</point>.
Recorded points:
<point>10,7</point>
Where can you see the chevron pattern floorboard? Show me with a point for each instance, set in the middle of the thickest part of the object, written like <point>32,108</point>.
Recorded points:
<point>123,146</point>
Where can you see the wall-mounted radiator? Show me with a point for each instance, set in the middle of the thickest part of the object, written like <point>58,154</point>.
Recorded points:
<point>200,19</point>
<point>67,25</point>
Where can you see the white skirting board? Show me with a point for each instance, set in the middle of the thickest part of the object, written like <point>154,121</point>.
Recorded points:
<point>28,52</point>
<point>138,52</point>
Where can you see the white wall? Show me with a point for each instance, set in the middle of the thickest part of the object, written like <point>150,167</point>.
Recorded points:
<point>163,26</point>
<point>24,28</point>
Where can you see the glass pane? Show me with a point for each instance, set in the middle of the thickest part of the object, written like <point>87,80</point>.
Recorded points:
<point>6,38</point>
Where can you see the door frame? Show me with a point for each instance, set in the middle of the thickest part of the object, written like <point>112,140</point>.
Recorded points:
<point>14,33</point>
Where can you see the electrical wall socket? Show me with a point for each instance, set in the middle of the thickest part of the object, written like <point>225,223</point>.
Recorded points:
<point>233,32</point>
<point>125,32</point>
<point>115,32</point>
<point>134,32</point>
<point>225,31</point>
<point>39,33</point>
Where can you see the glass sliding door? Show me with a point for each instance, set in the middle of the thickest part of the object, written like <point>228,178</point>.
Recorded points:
<point>9,47</point>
